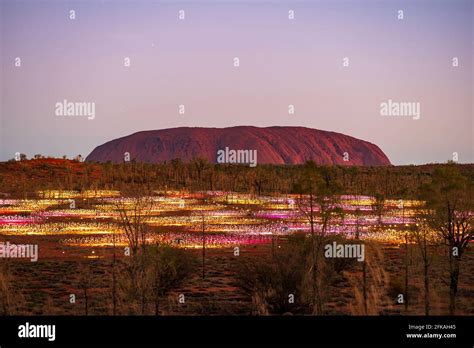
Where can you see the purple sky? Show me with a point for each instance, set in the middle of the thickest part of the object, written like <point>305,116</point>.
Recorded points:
<point>282,62</point>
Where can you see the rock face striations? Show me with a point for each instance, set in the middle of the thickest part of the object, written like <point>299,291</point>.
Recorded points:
<point>275,145</point>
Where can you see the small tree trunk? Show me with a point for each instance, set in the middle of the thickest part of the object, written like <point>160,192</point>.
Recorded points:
<point>203,249</point>
<point>426,275</point>
<point>157,297</point>
<point>427,289</point>
<point>313,259</point>
<point>273,245</point>
<point>114,281</point>
<point>143,300</point>
<point>86,301</point>
<point>453,285</point>
<point>406,274</point>
<point>364,286</point>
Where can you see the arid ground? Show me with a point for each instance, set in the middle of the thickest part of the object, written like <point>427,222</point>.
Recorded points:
<point>255,259</point>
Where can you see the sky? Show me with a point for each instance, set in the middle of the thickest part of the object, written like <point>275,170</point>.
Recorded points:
<point>282,62</point>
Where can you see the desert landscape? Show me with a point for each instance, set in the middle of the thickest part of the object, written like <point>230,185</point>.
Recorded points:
<point>199,238</point>
<point>236,172</point>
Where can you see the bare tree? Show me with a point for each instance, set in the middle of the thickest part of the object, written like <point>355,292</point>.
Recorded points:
<point>318,202</point>
<point>85,283</point>
<point>449,198</point>
<point>203,226</point>
<point>133,211</point>
<point>424,239</point>
<point>378,206</point>
<point>114,276</point>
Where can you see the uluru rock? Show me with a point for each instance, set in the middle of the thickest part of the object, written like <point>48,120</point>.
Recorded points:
<point>274,145</point>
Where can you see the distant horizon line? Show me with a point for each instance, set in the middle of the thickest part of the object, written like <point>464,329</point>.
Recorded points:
<point>45,158</point>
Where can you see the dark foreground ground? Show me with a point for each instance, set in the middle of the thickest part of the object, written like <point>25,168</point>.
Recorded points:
<point>44,287</point>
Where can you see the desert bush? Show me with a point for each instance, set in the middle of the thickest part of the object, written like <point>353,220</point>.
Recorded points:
<point>156,271</point>
<point>272,282</point>
<point>10,299</point>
